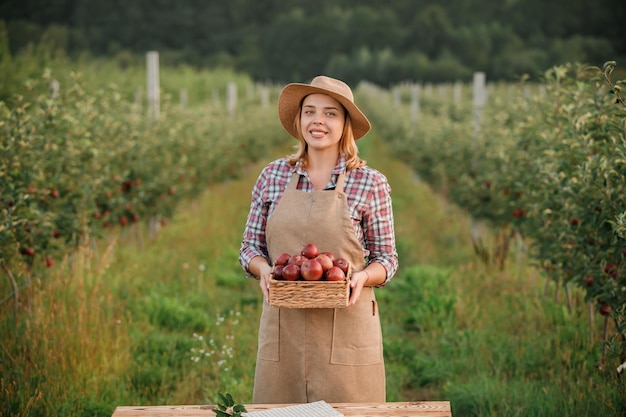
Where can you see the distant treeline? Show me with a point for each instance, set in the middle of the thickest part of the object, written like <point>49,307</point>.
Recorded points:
<point>384,42</point>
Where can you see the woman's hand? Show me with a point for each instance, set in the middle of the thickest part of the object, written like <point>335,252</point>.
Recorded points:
<point>357,282</point>
<point>260,267</point>
<point>264,281</point>
<point>371,276</point>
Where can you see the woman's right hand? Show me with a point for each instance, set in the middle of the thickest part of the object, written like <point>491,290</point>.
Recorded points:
<point>260,267</point>
<point>264,281</point>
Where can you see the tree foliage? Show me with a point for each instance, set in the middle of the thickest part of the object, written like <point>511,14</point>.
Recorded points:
<point>383,42</point>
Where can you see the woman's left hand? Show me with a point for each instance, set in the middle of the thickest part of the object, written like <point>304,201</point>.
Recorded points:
<point>357,282</point>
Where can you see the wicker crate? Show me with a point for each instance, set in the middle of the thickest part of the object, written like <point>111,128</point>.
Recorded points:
<point>309,294</point>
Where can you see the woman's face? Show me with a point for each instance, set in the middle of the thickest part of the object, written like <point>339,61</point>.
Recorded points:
<point>321,120</point>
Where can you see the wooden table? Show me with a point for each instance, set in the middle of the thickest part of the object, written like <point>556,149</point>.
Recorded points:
<point>402,409</point>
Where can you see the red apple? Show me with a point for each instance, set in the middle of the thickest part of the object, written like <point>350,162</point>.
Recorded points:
<point>605,309</point>
<point>291,272</point>
<point>282,259</point>
<point>309,251</point>
<point>311,270</point>
<point>335,274</point>
<point>28,251</point>
<point>325,261</point>
<point>329,254</point>
<point>297,259</point>
<point>611,269</point>
<point>588,280</point>
<point>342,263</point>
<point>278,272</point>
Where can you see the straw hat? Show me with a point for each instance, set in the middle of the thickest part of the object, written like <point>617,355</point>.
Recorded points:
<point>292,95</point>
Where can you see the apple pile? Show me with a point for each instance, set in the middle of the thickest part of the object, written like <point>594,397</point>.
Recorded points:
<point>310,265</point>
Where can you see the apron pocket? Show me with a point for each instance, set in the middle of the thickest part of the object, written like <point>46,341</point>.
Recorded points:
<point>269,334</point>
<point>357,335</point>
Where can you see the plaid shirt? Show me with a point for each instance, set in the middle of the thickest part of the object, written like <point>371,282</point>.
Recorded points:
<point>369,201</point>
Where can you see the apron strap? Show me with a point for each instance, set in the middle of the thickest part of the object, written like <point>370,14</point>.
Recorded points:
<point>340,180</point>
<point>293,182</point>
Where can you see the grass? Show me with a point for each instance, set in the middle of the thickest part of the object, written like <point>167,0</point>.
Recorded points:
<point>172,320</point>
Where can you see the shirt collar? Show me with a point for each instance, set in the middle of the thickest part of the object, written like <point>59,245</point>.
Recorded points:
<point>340,167</point>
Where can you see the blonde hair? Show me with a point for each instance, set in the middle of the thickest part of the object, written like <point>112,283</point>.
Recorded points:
<point>347,145</point>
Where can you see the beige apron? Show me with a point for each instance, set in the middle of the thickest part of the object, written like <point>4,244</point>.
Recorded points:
<point>307,355</point>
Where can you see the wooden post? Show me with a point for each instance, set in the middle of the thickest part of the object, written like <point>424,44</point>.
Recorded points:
<point>183,98</point>
<point>479,102</point>
<point>457,93</point>
<point>54,89</point>
<point>442,91</point>
<point>138,98</point>
<point>265,96</point>
<point>395,93</point>
<point>154,94</point>
<point>415,103</point>
<point>250,91</point>
<point>231,98</point>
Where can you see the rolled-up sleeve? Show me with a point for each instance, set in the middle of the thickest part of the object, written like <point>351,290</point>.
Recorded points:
<point>254,242</point>
<point>379,230</point>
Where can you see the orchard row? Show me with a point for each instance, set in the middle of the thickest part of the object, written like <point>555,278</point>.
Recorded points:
<point>549,168</point>
<point>85,161</point>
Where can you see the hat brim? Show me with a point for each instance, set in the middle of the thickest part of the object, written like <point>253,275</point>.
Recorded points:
<point>291,98</point>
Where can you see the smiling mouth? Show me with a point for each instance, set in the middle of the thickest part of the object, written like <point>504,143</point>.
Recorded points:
<point>317,133</point>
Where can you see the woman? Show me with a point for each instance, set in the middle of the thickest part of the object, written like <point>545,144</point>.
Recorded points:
<point>326,195</point>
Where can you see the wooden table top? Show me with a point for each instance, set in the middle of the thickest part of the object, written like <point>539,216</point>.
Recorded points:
<point>402,409</point>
